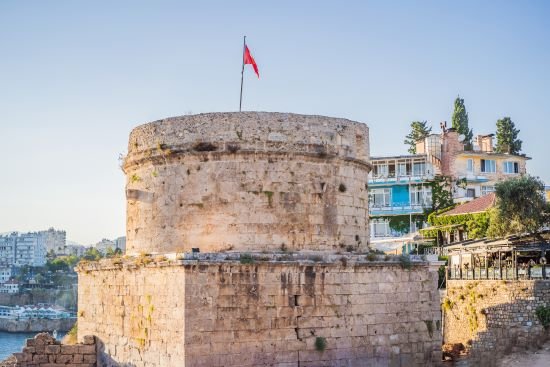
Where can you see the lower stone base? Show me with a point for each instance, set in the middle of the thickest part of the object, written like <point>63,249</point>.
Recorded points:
<point>348,312</point>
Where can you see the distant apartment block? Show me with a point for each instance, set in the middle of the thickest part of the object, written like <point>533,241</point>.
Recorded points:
<point>19,249</point>
<point>55,240</point>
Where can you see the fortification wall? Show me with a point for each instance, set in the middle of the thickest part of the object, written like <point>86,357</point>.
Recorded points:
<point>271,312</point>
<point>493,317</point>
<point>247,182</point>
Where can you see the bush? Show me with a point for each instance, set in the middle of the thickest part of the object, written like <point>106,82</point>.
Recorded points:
<point>405,261</point>
<point>371,257</point>
<point>320,343</point>
<point>543,314</point>
<point>246,259</point>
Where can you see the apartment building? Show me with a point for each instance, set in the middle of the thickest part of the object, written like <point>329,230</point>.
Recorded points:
<point>18,249</point>
<point>399,193</point>
<point>474,172</point>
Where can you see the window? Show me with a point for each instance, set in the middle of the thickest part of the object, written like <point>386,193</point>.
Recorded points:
<point>402,169</point>
<point>421,195</point>
<point>419,169</point>
<point>486,190</point>
<point>470,166</point>
<point>380,228</point>
<point>380,197</point>
<point>381,170</point>
<point>511,167</point>
<point>470,193</point>
<point>488,166</point>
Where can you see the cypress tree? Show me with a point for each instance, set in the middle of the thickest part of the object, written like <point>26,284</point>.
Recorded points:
<point>460,122</point>
<point>419,131</point>
<point>507,137</point>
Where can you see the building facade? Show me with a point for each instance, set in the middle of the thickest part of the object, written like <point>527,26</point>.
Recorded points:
<point>19,249</point>
<point>475,172</point>
<point>400,191</point>
<point>54,240</point>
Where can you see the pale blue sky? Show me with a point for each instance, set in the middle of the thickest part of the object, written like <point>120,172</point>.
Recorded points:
<point>76,76</point>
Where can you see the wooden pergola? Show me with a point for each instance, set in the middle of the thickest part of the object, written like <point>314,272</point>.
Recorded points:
<point>514,257</point>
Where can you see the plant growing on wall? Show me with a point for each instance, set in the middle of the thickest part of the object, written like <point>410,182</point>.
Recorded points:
<point>419,131</point>
<point>543,314</point>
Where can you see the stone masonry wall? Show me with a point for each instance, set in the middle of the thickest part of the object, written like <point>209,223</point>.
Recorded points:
<point>271,312</point>
<point>44,351</point>
<point>247,181</point>
<point>492,317</point>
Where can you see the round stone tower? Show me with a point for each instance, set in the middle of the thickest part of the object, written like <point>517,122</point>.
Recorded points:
<point>247,181</point>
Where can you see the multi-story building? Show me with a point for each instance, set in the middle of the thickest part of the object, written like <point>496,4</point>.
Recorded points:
<point>6,272</point>
<point>120,243</point>
<point>400,191</point>
<point>10,287</point>
<point>7,249</point>
<point>30,250</point>
<point>474,172</point>
<point>18,249</point>
<point>55,240</point>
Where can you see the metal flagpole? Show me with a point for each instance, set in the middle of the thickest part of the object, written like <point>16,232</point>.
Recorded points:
<point>242,73</point>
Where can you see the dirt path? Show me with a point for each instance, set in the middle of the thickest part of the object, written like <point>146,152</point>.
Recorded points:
<point>540,358</point>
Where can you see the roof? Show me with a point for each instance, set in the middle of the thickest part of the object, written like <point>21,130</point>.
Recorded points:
<point>408,156</point>
<point>478,205</point>
<point>493,154</point>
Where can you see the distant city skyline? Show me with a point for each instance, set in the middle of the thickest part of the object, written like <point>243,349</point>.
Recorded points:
<point>78,76</point>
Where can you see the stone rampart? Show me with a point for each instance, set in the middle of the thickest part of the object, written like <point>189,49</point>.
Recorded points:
<point>44,351</point>
<point>247,181</point>
<point>262,310</point>
<point>493,317</point>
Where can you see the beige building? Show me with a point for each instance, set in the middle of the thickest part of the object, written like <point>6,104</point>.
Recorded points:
<point>475,172</point>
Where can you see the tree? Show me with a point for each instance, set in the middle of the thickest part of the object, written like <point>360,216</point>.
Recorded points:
<point>92,254</point>
<point>520,207</point>
<point>442,196</point>
<point>460,122</point>
<point>419,131</point>
<point>507,137</point>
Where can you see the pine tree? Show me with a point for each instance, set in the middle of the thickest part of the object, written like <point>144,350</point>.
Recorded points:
<point>460,122</point>
<point>507,137</point>
<point>419,131</point>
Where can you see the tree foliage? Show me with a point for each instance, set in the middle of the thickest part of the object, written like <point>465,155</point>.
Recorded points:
<point>64,263</point>
<point>520,206</point>
<point>460,122</point>
<point>92,254</point>
<point>442,196</point>
<point>419,131</point>
<point>507,137</point>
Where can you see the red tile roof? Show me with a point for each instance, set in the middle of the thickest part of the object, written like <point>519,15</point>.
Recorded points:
<point>475,206</point>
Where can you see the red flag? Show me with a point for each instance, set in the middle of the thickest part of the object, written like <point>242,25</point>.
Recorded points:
<point>248,59</point>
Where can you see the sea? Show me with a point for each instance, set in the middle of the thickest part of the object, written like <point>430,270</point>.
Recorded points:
<point>14,342</point>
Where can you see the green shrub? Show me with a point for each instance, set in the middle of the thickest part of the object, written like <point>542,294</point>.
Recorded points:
<point>246,259</point>
<point>320,343</point>
<point>405,261</point>
<point>543,314</point>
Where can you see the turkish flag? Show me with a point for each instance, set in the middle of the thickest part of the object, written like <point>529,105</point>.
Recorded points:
<point>248,59</point>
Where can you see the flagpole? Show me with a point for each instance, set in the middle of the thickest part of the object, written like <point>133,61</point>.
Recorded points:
<point>242,74</point>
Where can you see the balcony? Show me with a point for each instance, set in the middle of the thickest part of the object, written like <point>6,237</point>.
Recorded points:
<point>392,178</point>
<point>398,209</point>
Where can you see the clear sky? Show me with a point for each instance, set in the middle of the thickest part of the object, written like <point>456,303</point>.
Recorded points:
<point>76,76</point>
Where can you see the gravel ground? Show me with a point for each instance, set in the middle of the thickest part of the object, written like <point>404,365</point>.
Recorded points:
<point>540,358</point>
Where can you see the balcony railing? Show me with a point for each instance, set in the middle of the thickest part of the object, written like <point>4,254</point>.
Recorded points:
<point>399,207</point>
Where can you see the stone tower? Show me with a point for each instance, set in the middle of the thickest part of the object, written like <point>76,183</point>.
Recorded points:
<point>278,205</point>
<point>247,181</point>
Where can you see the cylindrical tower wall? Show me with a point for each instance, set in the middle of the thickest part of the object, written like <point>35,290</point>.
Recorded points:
<point>247,181</point>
